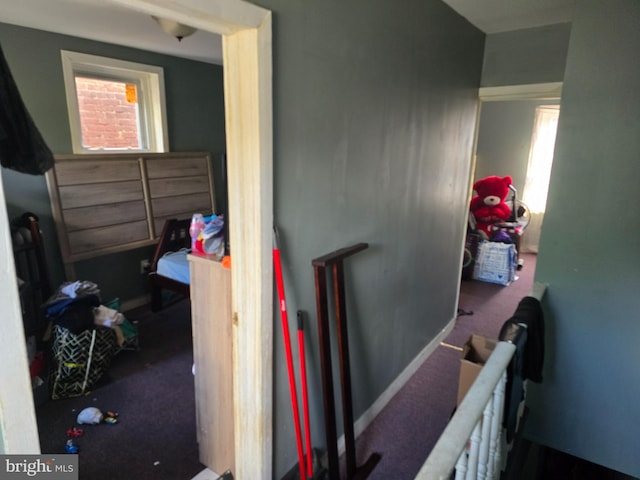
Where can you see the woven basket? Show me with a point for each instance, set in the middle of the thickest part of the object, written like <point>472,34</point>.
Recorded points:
<point>80,360</point>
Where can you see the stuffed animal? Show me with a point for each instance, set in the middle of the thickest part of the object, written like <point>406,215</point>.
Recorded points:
<point>488,206</point>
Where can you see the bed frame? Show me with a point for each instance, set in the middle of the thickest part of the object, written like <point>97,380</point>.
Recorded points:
<point>32,269</point>
<point>174,236</point>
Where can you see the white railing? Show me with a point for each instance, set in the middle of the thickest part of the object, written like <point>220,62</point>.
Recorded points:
<point>472,443</point>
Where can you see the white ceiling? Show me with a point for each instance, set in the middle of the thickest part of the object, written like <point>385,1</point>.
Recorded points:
<point>493,16</point>
<point>102,21</point>
<point>95,20</point>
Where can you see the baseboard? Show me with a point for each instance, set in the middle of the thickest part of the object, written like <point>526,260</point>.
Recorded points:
<point>135,303</point>
<point>394,387</point>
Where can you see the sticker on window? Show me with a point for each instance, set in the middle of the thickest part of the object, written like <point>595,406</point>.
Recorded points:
<point>132,93</point>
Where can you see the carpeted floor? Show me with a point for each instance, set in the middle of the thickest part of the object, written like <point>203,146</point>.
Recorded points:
<point>152,391</point>
<point>409,426</point>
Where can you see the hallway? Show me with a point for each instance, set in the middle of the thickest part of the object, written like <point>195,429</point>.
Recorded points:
<point>409,426</point>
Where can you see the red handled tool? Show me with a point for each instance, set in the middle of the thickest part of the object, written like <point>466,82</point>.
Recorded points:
<point>287,345</point>
<point>305,397</point>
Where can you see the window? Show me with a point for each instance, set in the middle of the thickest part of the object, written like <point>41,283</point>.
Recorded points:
<point>114,105</point>
<point>541,158</point>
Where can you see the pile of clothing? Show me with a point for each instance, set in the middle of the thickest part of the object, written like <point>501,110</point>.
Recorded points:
<point>85,336</point>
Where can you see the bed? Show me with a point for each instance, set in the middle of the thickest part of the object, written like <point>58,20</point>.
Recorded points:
<point>169,269</point>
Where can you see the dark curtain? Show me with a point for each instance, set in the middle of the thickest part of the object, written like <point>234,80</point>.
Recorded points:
<point>22,148</point>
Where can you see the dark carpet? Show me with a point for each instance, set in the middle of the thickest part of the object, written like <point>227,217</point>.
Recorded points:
<point>152,390</point>
<point>405,432</point>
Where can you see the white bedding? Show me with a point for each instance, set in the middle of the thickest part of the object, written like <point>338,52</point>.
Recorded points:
<point>175,265</point>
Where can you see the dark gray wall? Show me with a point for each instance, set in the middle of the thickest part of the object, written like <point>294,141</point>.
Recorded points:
<point>195,115</point>
<point>504,139</point>
<point>533,55</point>
<point>374,109</point>
<point>588,404</point>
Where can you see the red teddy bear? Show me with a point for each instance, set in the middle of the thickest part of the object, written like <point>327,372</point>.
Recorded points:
<point>488,206</point>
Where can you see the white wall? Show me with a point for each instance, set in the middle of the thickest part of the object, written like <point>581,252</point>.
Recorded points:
<point>17,417</point>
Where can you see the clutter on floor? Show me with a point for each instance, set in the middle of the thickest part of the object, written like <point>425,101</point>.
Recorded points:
<point>496,263</point>
<point>88,416</point>
<point>85,335</point>
<point>475,353</point>
<point>496,224</point>
<point>71,447</point>
<point>75,432</point>
<point>488,206</point>
<point>152,390</point>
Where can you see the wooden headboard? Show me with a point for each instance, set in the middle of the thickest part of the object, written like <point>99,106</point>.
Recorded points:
<point>111,203</point>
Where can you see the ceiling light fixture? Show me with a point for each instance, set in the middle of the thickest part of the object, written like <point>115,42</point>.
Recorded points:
<point>174,28</point>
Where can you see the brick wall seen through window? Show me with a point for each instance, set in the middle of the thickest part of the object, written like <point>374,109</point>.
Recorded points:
<point>108,114</point>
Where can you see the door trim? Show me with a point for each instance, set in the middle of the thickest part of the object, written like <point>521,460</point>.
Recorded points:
<point>532,91</point>
<point>247,59</point>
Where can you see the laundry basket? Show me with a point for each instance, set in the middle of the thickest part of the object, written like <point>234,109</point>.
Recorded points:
<point>79,360</point>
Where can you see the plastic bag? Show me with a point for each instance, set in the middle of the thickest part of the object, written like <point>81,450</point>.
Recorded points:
<point>496,263</point>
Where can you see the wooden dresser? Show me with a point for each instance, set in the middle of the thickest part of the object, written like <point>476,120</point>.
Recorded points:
<point>213,333</point>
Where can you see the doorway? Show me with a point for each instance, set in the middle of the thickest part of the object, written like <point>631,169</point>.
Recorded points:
<point>511,140</point>
<point>483,305</point>
<point>246,32</point>
<point>247,59</point>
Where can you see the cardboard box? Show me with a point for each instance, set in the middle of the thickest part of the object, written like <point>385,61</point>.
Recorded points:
<point>475,353</point>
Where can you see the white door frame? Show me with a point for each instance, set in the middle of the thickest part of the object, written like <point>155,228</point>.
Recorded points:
<point>246,35</point>
<point>531,91</point>
<point>246,44</point>
<point>18,427</point>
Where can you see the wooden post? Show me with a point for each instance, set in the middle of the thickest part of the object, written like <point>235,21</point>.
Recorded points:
<point>334,261</point>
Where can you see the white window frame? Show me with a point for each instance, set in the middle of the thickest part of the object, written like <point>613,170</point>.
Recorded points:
<point>151,96</point>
